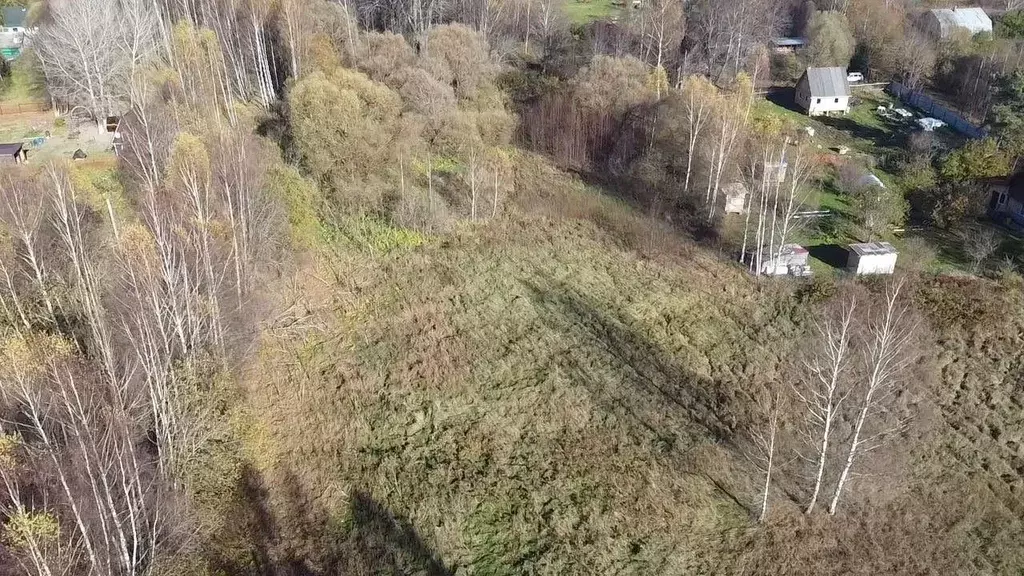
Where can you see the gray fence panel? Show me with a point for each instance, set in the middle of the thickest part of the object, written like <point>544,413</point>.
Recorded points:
<point>929,106</point>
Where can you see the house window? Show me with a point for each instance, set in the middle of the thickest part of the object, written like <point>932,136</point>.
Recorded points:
<point>837,100</point>
<point>818,101</point>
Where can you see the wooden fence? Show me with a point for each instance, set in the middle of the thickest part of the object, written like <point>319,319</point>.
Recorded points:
<point>23,107</point>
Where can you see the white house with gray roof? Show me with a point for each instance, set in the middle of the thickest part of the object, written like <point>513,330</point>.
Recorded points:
<point>823,91</point>
<point>941,23</point>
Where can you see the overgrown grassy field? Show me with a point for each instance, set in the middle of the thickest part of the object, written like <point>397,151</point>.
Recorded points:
<point>557,392</point>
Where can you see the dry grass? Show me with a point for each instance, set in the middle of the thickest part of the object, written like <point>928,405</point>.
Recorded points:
<point>557,392</point>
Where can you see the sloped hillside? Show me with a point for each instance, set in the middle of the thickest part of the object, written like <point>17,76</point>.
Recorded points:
<point>562,391</point>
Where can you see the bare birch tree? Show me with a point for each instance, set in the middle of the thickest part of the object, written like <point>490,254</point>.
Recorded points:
<point>731,117</point>
<point>764,439</point>
<point>825,387</point>
<point>662,32</point>
<point>90,50</point>
<point>886,358</point>
<point>697,97</point>
<point>23,213</point>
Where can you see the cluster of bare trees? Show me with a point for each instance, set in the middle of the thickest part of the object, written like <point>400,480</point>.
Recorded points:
<point>724,38</point>
<point>96,53</point>
<point>849,400</point>
<point>780,179</point>
<point>92,50</point>
<point>113,324</point>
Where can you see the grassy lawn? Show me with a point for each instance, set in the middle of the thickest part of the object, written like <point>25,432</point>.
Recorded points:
<point>870,138</point>
<point>584,11</point>
<point>23,86</point>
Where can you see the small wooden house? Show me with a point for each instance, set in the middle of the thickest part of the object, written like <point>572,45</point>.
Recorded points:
<point>1006,200</point>
<point>823,91</point>
<point>788,45</point>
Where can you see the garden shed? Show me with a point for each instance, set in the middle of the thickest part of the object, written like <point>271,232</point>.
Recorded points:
<point>12,153</point>
<point>735,198</point>
<point>791,260</point>
<point>872,258</point>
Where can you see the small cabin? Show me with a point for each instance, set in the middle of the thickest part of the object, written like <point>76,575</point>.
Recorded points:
<point>788,45</point>
<point>823,91</point>
<point>871,258</point>
<point>1006,201</point>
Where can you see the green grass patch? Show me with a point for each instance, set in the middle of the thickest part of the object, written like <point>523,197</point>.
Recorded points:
<point>378,237</point>
<point>23,86</point>
<point>585,11</point>
<point>302,201</point>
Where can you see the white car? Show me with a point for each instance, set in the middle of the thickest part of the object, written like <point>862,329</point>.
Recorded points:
<point>854,77</point>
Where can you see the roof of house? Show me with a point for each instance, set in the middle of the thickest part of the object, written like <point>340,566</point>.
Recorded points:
<point>11,149</point>
<point>971,18</point>
<point>734,189</point>
<point>14,17</point>
<point>789,42</point>
<point>873,248</point>
<point>828,82</point>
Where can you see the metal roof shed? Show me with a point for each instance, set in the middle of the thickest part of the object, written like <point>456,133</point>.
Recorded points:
<point>788,44</point>
<point>872,258</point>
<point>14,17</point>
<point>790,261</point>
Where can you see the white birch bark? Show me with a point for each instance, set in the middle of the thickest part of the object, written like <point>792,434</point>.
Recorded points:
<point>825,389</point>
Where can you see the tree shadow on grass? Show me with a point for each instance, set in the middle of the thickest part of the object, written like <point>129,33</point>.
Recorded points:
<point>298,537</point>
<point>623,367</point>
<point>669,406</point>
<point>832,254</point>
<point>879,137</point>
<point>785,98</point>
